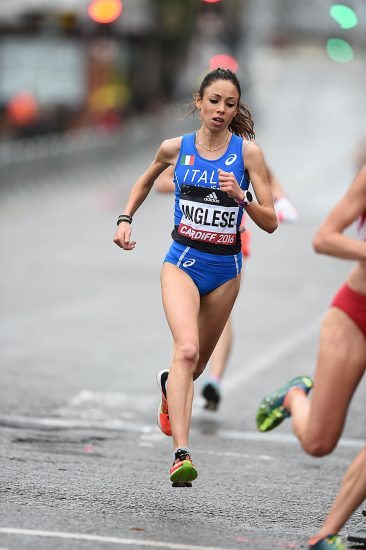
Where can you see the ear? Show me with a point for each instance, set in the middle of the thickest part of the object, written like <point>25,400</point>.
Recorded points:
<point>198,101</point>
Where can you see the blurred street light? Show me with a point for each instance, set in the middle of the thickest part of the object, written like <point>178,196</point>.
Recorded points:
<point>344,16</point>
<point>339,50</point>
<point>224,61</point>
<point>105,11</point>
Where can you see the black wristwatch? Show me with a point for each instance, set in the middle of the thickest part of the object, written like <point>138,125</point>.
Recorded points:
<point>247,199</point>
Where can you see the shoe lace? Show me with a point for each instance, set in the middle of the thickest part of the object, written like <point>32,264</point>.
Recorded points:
<point>181,455</point>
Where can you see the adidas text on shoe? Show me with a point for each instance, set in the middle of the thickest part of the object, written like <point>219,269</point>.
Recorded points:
<point>163,413</point>
<point>271,411</point>
<point>182,472</point>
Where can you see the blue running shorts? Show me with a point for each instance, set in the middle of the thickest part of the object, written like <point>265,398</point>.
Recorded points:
<point>208,271</point>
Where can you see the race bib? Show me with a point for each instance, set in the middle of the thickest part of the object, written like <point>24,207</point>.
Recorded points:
<point>208,215</point>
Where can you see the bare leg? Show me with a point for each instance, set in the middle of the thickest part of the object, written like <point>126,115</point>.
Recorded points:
<point>221,353</point>
<point>211,390</point>
<point>196,324</point>
<point>351,494</point>
<point>216,318</point>
<point>181,303</point>
<point>319,423</point>
<point>340,366</point>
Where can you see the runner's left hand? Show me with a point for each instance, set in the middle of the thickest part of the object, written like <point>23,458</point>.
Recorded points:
<point>228,183</point>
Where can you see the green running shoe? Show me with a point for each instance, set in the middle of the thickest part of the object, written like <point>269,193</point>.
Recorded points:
<point>330,542</point>
<point>183,472</point>
<point>271,411</point>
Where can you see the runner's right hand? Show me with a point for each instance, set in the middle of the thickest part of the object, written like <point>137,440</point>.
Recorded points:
<point>123,236</point>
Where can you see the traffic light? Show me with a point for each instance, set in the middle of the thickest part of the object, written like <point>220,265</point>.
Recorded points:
<point>105,11</point>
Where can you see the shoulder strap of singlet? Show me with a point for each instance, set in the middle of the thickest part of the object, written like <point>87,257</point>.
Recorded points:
<point>187,142</point>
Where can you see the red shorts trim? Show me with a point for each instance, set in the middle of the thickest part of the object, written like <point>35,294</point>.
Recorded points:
<point>353,304</point>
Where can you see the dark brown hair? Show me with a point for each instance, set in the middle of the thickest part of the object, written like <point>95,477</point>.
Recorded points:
<point>242,123</point>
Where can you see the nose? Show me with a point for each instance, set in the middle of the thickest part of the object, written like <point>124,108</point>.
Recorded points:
<point>221,107</point>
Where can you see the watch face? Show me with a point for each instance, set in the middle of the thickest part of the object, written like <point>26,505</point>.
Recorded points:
<point>248,196</point>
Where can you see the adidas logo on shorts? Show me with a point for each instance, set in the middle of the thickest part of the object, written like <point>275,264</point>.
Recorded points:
<point>212,197</point>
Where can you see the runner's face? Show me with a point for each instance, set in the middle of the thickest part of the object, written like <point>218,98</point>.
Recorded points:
<point>218,105</point>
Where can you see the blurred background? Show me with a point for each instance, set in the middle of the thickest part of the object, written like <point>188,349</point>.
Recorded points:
<point>67,65</point>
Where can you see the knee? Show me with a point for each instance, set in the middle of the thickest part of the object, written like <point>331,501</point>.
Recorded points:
<point>187,354</point>
<point>319,446</point>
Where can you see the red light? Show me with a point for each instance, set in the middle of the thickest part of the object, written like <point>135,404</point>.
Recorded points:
<point>224,61</point>
<point>105,11</point>
<point>211,1</point>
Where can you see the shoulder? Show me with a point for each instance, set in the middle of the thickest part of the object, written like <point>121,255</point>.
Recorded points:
<point>350,206</point>
<point>252,152</point>
<point>171,146</point>
<point>169,149</point>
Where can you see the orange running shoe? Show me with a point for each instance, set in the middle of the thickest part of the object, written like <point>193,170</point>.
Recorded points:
<point>163,413</point>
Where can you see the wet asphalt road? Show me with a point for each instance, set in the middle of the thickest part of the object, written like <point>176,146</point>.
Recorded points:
<point>83,464</point>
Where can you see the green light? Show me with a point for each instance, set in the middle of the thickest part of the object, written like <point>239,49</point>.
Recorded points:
<point>339,50</point>
<point>344,16</point>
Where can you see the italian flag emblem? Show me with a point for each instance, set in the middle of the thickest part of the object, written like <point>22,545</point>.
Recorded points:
<point>187,160</point>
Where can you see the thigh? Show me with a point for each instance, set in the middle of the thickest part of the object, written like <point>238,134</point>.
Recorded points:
<point>340,366</point>
<point>181,302</point>
<point>214,312</point>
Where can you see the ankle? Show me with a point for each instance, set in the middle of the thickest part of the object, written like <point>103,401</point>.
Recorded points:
<point>289,397</point>
<point>314,540</point>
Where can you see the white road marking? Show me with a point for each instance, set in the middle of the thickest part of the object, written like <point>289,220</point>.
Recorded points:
<point>104,539</point>
<point>271,356</point>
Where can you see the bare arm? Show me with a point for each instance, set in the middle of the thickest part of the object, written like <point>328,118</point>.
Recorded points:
<point>261,212</point>
<point>329,239</point>
<point>165,157</point>
<point>285,210</point>
<point>274,183</point>
<point>165,183</point>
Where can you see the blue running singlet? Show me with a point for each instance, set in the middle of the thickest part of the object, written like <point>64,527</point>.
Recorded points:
<point>206,236</point>
<point>205,217</point>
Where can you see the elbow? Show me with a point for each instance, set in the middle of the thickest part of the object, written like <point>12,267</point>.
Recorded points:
<point>319,243</point>
<point>272,226</point>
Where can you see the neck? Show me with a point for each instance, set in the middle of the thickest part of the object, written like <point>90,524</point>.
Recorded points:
<point>210,141</point>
